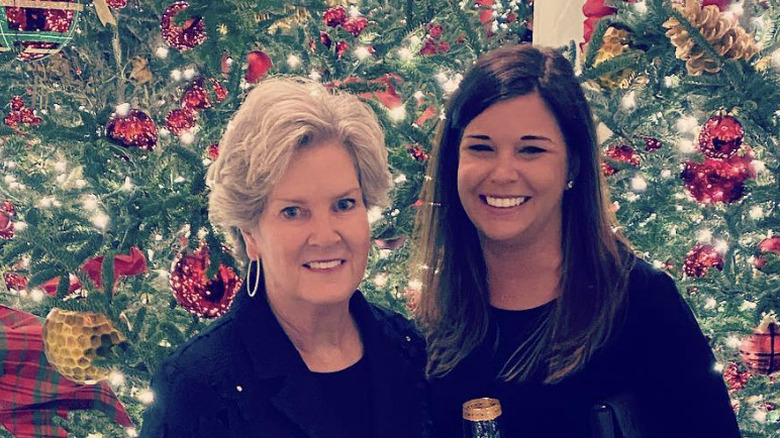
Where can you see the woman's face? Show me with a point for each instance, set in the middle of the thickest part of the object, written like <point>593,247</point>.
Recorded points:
<point>512,172</point>
<point>313,236</point>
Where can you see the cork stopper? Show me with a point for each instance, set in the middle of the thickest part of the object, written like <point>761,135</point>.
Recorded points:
<point>481,409</point>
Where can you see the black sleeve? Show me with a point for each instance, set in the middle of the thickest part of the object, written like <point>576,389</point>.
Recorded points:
<point>684,394</point>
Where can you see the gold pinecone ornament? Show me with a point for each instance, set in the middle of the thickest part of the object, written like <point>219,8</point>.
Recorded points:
<point>724,34</point>
<point>615,42</point>
<point>73,340</point>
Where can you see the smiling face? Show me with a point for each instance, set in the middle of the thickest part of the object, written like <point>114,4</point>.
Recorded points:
<point>512,172</point>
<point>313,236</point>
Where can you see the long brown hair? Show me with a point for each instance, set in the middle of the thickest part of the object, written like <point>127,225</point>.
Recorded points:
<point>454,305</point>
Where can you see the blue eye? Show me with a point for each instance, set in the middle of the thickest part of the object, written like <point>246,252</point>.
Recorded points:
<point>291,212</point>
<point>345,204</point>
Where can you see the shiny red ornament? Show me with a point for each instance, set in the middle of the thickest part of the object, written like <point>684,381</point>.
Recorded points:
<point>7,213</point>
<point>207,298</point>
<point>341,48</point>
<point>435,30</point>
<point>117,4</point>
<point>760,351</point>
<point>652,144</point>
<point>768,245</point>
<point>133,130</point>
<point>718,180</point>
<point>14,281</point>
<point>125,265</point>
<point>181,120</point>
<point>17,103</point>
<point>258,64</point>
<point>325,39</point>
<point>721,137</point>
<point>418,153</point>
<point>619,154</point>
<point>393,243</point>
<point>736,376</point>
<point>213,151</point>
<point>700,259</point>
<point>201,93</point>
<point>186,37</point>
<point>355,25</point>
<point>335,16</point>
<point>21,115</point>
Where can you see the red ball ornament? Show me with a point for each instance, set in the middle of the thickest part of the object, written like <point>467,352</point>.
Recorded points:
<point>355,25</point>
<point>652,144</point>
<point>258,65</point>
<point>768,245</point>
<point>418,153</point>
<point>207,298</point>
<point>134,129</point>
<point>435,30</point>
<point>186,37</point>
<point>197,95</point>
<point>619,154</point>
<point>700,259</point>
<point>721,137</point>
<point>760,351</point>
<point>14,281</point>
<point>735,376</point>
<point>718,180</point>
<point>17,103</point>
<point>20,115</point>
<point>181,120</point>
<point>7,213</point>
<point>341,48</point>
<point>38,28</point>
<point>325,39</point>
<point>213,151</point>
<point>335,16</point>
<point>117,4</point>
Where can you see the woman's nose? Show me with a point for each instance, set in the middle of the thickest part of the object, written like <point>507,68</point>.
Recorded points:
<point>323,231</point>
<point>503,171</point>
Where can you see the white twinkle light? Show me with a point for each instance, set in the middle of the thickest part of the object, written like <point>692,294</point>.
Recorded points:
<point>189,73</point>
<point>628,101</point>
<point>397,114</point>
<point>671,81</point>
<point>638,184</point>
<point>37,295</point>
<point>122,109</point>
<point>100,220</point>
<point>414,40</point>
<point>176,74</point>
<point>132,432</point>
<point>721,246</point>
<point>710,304</point>
<point>90,202</point>
<point>657,264</point>
<point>128,185</point>
<point>756,212</point>
<point>400,179</point>
<point>374,214</point>
<point>718,367</point>
<point>687,125</point>
<point>362,53</point>
<point>733,342</point>
<point>380,280</point>
<point>61,167</point>
<point>20,226</point>
<point>747,305</point>
<point>145,396</point>
<point>187,137</point>
<point>314,75</point>
<point>758,166</point>
<point>640,8</point>
<point>293,61</point>
<point>161,52</point>
<point>116,378</point>
<point>686,146</point>
<point>666,174</point>
<point>704,236</point>
<point>405,54</point>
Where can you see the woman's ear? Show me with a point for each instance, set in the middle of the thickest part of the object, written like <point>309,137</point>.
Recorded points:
<point>250,244</point>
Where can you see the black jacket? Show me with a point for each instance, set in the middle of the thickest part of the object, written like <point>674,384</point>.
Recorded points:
<point>243,378</point>
<point>655,378</point>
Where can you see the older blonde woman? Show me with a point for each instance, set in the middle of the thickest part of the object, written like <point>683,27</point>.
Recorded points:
<point>302,353</point>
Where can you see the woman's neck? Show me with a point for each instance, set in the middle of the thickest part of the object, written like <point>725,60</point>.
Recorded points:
<point>522,277</point>
<point>326,336</point>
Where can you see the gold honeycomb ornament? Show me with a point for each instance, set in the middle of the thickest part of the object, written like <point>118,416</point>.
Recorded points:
<point>73,340</point>
<point>725,35</point>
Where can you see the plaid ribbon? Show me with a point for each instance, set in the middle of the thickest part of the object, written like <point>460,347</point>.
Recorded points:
<point>32,392</point>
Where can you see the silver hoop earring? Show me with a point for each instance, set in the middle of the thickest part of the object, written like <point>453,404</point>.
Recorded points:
<point>569,184</point>
<point>253,291</point>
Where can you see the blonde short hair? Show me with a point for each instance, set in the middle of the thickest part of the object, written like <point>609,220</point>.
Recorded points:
<point>278,117</point>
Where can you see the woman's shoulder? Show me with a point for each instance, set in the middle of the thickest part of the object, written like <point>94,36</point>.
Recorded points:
<point>394,326</point>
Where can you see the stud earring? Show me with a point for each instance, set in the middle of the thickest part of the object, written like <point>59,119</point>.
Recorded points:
<point>569,184</point>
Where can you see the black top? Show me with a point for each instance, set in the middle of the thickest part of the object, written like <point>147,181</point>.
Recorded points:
<point>654,378</point>
<point>242,377</point>
<point>349,390</point>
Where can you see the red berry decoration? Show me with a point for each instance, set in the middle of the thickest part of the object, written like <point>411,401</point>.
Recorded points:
<point>117,4</point>
<point>213,151</point>
<point>186,37</point>
<point>325,39</point>
<point>21,115</point>
<point>700,259</point>
<point>768,245</point>
<point>721,137</point>
<point>197,96</point>
<point>7,213</point>
<point>718,180</point>
<point>760,351</point>
<point>37,31</point>
<point>619,154</point>
<point>133,130</point>
<point>341,48</point>
<point>335,16</point>
<point>207,298</point>
<point>435,30</point>
<point>14,281</point>
<point>17,103</point>
<point>652,144</point>
<point>181,120</point>
<point>736,376</point>
<point>355,25</point>
<point>258,65</point>
<point>418,153</point>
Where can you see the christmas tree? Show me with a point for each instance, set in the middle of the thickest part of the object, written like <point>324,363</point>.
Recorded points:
<point>687,96</point>
<point>114,111</point>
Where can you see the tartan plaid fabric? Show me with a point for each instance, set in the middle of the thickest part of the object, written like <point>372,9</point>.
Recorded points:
<point>32,392</point>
